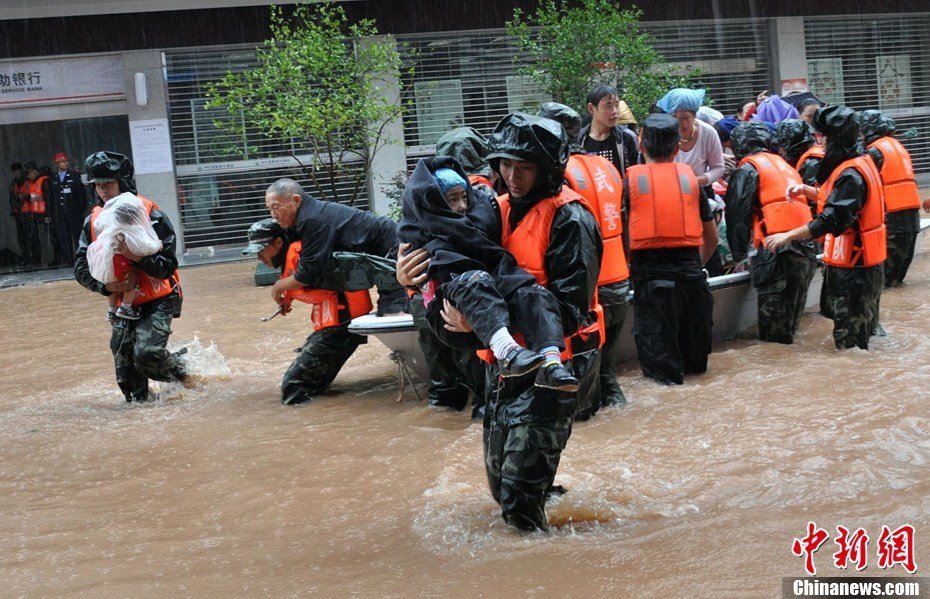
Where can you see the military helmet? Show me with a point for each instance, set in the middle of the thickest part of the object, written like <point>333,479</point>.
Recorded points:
<point>261,234</point>
<point>110,166</point>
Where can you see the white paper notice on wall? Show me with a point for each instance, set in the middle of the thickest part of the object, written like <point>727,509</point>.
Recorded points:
<point>151,146</point>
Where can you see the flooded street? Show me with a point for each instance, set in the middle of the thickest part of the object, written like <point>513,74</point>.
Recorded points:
<point>691,491</point>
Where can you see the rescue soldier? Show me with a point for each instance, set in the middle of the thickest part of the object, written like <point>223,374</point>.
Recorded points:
<point>671,233</point>
<point>365,245</point>
<point>595,178</point>
<point>902,199</point>
<point>454,372</point>
<point>553,235</point>
<point>69,204</point>
<point>37,222</point>
<point>21,211</point>
<point>139,346</point>
<point>797,146</point>
<point>851,217</point>
<point>756,206</point>
<point>330,344</point>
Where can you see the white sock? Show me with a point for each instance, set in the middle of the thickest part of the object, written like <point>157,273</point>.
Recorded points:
<point>501,343</point>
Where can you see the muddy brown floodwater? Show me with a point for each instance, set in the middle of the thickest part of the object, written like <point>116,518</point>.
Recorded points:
<point>691,491</point>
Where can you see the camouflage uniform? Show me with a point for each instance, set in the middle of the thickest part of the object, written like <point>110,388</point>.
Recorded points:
<point>525,430</point>
<point>318,362</point>
<point>783,294</point>
<point>852,295</point>
<point>903,228</point>
<point>615,307</point>
<point>139,349</point>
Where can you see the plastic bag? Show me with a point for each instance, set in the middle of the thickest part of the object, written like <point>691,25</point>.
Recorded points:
<point>123,218</point>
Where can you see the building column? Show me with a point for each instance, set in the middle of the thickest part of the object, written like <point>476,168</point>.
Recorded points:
<point>391,158</point>
<point>152,152</point>
<point>789,64</point>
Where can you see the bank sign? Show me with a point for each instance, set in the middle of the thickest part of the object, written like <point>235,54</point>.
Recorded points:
<point>61,81</point>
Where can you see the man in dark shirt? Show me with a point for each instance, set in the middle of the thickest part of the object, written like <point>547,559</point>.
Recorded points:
<point>365,242</point>
<point>603,136</point>
<point>20,210</point>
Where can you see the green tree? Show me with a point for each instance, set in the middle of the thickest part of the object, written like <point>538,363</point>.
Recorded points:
<point>568,50</point>
<point>320,82</point>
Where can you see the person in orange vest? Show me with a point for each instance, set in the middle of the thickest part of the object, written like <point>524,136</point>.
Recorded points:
<point>330,345</point>
<point>21,211</point>
<point>139,346</point>
<point>671,234</point>
<point>902,198</point>
<point>600,182</point>
<point>852,221</point>
<point>553,234</point>
<point>756,206</point>
<point>37,188</point>
<point>796,144</point>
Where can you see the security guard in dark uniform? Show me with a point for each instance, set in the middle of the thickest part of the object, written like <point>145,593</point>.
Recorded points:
<point>69,207</point>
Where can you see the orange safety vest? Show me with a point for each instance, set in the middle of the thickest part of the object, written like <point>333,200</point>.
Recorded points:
<point>528,244</point>
<point>778,214</point>
<point>814,151</point>
<point>21,191</point>
<point>599,182</point>
<point>325,303</point>
<point>897,176</point>
<point>36,206</point>
<point>479,180</point>
<point>664,210</point>
<point>867,246</point>
<point>150,288</point>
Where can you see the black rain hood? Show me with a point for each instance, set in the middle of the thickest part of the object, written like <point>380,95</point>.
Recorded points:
<point>566,116</point>
<point>750,138</point>
<point>533,139</point>
<point>468,147</point>
<point>456,242</point>
<point>840,124</point>
<point>794,137</point>
<point>875,124</point>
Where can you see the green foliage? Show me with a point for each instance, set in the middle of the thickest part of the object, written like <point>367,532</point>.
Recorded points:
<point>394,190</point>
<point>321,81</point>
<point>569,50</point>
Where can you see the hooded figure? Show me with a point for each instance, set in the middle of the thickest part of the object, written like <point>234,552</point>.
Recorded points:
<point>902,199</point>
<point>468,147</point>
<point>527,427</point>
<point>110,166</point>
<point>840,125</point>
<point>756,206</point>
<point>793,137</point>
<point>568,118</point>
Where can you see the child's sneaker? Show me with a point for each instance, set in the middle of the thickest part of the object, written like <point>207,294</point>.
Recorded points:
<point>555,376</point>
<point>111,316</point>
<point>520,361</point>
<point>128,313</point>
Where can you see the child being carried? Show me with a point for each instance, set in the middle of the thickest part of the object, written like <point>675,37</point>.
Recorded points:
<point>124,221</point>
<point>479,277</point>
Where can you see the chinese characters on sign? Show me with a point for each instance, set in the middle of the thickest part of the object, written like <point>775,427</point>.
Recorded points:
<point>893,547</point>
<point>61,81</point>
<point>20,79</point>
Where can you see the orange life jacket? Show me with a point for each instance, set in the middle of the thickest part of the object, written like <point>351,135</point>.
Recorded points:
<point>325,303</point>
<point>815,151</point>
<point>597,180</point>
<point>778,213</point>
<point>897,176</point>
<point>867,246</point>
<point>150,288</point>
<point>21,191</point>
<point>664,210</point>
<point>528,244</point>
<point>37,203</point>
<point>479,180</point>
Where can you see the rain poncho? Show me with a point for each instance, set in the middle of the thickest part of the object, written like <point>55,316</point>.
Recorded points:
<point>750,137</point>
<point>542,141</point>
<point>774,110</point>
<point>682,98</point>
<point>875,124</point>
<point>564,115</point>
<point>794,137</point>
<point>468,147</point>
<point>123,218</point>
<point>840,125</point>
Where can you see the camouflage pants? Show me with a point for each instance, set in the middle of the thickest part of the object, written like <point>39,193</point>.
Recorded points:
<point>672,327</point>
<point>609,389</point>
<point>900,255</point>
<point>318,362</point>
<point>140,349</point>
<point>521,462</point>
<point>453,372</point>
<point>782,297</point>
<point>852,295</point>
